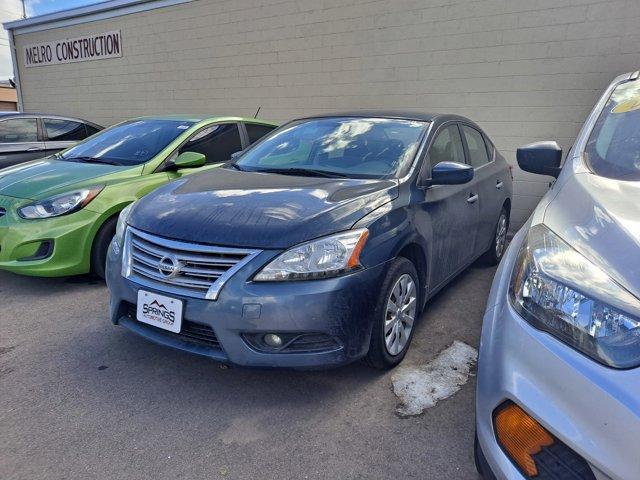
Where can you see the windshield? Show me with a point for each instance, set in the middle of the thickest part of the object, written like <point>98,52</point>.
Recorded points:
<point>128,144</point>
<point>613,149</point>
<point>338,147</point>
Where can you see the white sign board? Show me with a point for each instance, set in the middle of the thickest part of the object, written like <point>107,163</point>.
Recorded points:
<point>81,49</point>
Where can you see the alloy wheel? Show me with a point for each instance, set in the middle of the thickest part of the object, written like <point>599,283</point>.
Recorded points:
<point>400,315</point>
<point>501,235</point>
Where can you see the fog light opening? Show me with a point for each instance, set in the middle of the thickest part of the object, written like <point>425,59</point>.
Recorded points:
<point>521,437</point>
<point>273,340</point>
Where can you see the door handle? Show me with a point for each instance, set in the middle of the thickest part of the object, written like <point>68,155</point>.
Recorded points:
<point>499,184</point>
<point>472,198</point>
<point>34,149</point>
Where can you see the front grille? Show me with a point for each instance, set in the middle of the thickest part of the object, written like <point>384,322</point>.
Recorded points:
<point>189,331</point>
<point>189,269</point>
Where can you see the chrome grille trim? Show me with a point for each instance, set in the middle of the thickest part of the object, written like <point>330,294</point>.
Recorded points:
<point>204,269</point>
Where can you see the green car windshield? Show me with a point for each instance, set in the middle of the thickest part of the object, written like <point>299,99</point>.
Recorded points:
<point>613,149</point>
<point>349,147</point>
<point>128,144</point>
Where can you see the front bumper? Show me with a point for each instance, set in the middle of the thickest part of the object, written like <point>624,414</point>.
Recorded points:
<point>593,409</point>
<point>70,237</point>
<point>340,308</point>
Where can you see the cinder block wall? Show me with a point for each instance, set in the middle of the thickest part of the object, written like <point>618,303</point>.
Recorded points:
<point>523,69</point>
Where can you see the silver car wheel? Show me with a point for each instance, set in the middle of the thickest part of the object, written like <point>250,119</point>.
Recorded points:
<point>400,315</point>
<point>501,234</point>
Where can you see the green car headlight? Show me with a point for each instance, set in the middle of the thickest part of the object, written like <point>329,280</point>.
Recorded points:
<point>558,290</point>
<point>59,204</point>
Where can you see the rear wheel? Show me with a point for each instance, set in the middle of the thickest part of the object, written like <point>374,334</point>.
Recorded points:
<point>101,246</point>
<point>499,242</point>
<point>395,316</point>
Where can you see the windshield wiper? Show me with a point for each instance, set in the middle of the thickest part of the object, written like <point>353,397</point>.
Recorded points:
<point>91,160</point>
<point>303,172</point>
<point>237,167</point>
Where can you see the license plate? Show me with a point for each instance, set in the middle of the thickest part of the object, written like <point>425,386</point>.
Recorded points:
<point>159,311</point>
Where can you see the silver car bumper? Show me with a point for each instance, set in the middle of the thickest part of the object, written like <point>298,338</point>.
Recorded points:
<point>593,409</point>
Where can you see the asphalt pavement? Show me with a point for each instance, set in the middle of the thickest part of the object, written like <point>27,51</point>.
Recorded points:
<point>82,398</point>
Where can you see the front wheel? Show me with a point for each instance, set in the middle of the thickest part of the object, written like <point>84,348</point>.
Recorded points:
<point>101,246</point>
<point>395,316</point>
<point>499,242</point>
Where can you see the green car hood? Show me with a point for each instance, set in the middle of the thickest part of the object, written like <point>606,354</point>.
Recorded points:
<point>41,178</point>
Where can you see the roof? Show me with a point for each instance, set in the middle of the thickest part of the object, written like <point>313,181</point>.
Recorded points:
<point>6,114</point>
<point>97,11</point>
<point>202,118</point>
<point>396,114</point>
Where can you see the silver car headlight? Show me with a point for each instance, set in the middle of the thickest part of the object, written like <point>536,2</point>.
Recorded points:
<point>325,257</point>
<point>560,291</point>
<point>59,204</point>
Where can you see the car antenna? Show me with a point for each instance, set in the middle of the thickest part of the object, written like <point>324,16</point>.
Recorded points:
<point>257,112</point>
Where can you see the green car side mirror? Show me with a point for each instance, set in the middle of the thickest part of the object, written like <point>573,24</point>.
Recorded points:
<point>190,160</point>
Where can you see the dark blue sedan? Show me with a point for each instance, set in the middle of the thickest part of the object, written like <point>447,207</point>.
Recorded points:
<point>317,246</point>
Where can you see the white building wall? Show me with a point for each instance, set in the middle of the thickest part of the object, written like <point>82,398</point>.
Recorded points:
<point>9,10</point>
<point>525,70</point>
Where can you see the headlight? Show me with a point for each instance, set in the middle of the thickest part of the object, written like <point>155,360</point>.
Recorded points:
<point>121,227</point>
<point>59,204</point>
<point>560,291</point>
<point>322,258</point>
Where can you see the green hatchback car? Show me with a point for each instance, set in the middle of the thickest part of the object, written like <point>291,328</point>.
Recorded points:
<point>59,214</point>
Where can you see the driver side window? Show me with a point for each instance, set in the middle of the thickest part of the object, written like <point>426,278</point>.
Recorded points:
<point>447,147</point>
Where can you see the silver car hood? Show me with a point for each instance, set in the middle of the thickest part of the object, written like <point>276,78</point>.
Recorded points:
<point>600,218</point>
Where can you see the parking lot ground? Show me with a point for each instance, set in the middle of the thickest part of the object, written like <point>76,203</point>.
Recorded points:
<point>81,398</point>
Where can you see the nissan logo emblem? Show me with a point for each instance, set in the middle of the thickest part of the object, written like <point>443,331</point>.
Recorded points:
<point>170,267</point>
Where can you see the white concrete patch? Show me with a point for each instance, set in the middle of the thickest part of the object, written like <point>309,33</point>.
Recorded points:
<point>419,387</point>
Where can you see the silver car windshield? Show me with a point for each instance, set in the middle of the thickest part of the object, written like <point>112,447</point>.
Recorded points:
<point>340,147</point>
<point>613,149</point>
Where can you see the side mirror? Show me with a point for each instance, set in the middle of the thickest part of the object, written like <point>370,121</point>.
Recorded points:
<point>451,173</point>
<point>235,155</point>
<point>189,160</point>
<point>543,158</point>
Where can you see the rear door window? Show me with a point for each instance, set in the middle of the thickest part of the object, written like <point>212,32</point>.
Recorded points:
<point>64,130</point>
<point>217,142</point>
<point>19,130</point>
<point>256,131</point>
<point>478,155</point>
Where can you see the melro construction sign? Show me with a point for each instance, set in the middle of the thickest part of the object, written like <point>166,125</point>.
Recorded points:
<point>81,49</point>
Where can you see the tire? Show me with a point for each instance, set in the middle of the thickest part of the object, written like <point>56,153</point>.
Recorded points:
<point>496,251</point>
<point>482,466</point>
<point>380,355</point>
<point>101,246</point>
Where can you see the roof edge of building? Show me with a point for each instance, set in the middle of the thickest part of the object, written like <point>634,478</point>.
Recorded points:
<point>88,13</point>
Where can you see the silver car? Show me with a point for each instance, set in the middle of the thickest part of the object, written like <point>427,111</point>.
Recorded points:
<point>559,371</point>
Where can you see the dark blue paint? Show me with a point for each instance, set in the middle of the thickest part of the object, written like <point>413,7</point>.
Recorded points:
<point>273,212</point>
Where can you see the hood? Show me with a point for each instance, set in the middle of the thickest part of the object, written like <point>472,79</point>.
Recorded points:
<point>600,218</point>
<point>259,210</point>
<point>41,178</point>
